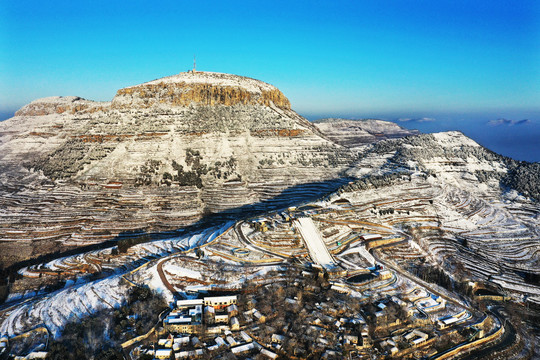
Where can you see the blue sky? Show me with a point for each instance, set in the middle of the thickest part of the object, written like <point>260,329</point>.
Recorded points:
<point>349,58</point>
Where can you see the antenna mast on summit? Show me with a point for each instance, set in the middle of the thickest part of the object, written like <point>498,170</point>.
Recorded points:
<point>194,64</point>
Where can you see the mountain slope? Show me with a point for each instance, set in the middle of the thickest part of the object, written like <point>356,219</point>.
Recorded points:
<point>353,133</point>
<point>453,157</point>
<point>157,157</point>
<point>165,154</point>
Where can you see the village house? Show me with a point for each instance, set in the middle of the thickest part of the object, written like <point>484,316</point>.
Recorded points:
<point>219,302</point>
<point>416,337</point>
<point>260,318</point>
<point>187,318</point>
<point>163,354</point>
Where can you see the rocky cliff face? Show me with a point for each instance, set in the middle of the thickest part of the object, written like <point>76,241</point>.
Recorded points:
<point>201,88</point>
<point>158,157</point>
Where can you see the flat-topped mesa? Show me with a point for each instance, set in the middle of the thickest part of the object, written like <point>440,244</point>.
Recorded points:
<point>201,88</point>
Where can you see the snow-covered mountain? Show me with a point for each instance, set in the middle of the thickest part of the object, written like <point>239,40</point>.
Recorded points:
<point>222,118</point>
<point>195,147</point>
<point>165,154</point>
<point>157,157</point>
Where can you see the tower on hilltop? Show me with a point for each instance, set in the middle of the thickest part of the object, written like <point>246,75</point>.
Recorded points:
<point>194,70</point>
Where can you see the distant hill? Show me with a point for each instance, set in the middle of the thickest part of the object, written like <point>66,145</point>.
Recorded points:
<point>352,133</point>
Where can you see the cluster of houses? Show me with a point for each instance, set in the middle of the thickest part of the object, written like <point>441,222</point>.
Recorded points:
<point>322,323</point>
<point>189,346</point>
<point>214,323</point>
<point>206,325</point>
<point>216,313</point>
<point>215,318</point>
<point>414,338</point>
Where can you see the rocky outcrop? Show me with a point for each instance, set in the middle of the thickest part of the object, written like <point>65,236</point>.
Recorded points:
<point>61,105</point>
<point>201,88</point>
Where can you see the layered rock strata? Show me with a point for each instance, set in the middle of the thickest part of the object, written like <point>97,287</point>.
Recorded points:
<point>158,157</point>
<point>353,133</point>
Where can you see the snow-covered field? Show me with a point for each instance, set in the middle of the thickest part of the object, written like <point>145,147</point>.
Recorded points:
<point>55,310</point>
<point>81,299</point>
<point>317,248</point>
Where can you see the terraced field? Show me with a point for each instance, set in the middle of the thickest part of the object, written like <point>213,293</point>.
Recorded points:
<point>484,238</point>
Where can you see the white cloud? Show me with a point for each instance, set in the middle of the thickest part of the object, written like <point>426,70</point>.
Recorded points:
<point>508,122</point>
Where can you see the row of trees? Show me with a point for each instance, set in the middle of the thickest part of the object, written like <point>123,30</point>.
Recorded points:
<point>147,172</point>
<point>434,274</point>
<point>376,181</point>
<point>124,244</point>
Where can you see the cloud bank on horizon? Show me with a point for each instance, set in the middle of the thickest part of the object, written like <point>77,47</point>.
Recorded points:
<point>419,120</point>
<point>508,122</point>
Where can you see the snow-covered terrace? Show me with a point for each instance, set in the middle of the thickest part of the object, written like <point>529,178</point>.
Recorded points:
<point>314,242</point>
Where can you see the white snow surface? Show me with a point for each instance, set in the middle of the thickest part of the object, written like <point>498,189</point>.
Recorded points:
<point>360,249</point>
<point>182,271</point>
<point>215,79</point>
<point>56,309</point>
<point>454,138</point>
<point>316,246</point>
